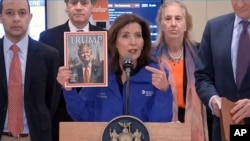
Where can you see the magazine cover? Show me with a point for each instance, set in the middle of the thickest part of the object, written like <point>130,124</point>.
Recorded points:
<point>85,53</point>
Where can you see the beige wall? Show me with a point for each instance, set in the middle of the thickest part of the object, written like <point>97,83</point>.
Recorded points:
<point>56,12</point>
<point>201,11</point>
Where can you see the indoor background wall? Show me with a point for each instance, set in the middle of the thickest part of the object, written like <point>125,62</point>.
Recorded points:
<point>201,11</point>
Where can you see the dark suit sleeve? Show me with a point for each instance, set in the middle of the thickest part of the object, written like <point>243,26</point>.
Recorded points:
<point>44,38</point>
<point>53,87</point>
<point>204,73</point>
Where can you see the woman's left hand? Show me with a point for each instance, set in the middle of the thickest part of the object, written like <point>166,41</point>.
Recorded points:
<point>159,79</point>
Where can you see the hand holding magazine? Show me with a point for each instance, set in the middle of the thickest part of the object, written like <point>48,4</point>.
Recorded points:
<point>226,118</point>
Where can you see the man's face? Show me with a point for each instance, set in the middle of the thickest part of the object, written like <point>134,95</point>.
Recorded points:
<point>241,8</point>
<point>15,18</point>
<point>85,54</point>
<point>79,11</point>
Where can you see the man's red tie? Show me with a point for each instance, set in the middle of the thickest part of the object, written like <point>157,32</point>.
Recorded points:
<point>86,75</point>
<point>15,98</point>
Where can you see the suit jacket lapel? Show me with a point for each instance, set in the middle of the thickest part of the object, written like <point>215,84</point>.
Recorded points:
<point>29,65</point>
<point>65,27</point>
<point>225,44</point>
<point>3,80</point>
<point>91,27</point>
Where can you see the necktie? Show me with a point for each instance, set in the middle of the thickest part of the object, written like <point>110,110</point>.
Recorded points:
<point>79,30</point>
<point>15,98</point>
<point>86,75</point>
<point>243,58</point>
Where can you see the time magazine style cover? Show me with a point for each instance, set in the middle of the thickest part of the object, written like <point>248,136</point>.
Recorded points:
<point>86,56</point>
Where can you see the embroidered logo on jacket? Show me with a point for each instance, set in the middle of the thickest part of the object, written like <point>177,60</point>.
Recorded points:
<point>101,95</point>
<point>147,93</point>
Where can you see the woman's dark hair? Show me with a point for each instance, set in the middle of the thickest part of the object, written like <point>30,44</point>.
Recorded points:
<point>117,25</point>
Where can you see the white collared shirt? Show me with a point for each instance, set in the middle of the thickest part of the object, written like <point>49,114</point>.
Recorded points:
<point>72,28</point>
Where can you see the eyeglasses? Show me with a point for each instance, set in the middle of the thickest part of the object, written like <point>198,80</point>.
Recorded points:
<point>81,1</point>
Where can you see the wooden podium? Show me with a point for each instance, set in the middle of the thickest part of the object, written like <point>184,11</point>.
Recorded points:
<point>92,131</point>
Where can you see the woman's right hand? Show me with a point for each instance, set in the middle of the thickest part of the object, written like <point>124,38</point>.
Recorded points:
<point>63,75</point>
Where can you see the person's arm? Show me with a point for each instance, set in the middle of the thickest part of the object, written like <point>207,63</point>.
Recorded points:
<point>204,73</point>
<point>80,105</point>
<point>162,109</point>
<point>53,88</point>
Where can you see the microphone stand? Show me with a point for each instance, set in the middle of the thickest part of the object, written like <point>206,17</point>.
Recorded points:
<point>127,66</point>
<point>127,93</point>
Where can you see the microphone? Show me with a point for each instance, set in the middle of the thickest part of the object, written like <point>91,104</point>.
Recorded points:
<point>127,66</point>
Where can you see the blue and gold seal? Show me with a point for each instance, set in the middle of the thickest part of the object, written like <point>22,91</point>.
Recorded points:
<point>125,128</point>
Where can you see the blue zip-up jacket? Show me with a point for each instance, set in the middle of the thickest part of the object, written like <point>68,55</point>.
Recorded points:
<point>146,102</point>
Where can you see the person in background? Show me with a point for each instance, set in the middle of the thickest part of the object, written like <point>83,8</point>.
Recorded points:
<point>79,12</point>
<point>177,51</point>
<point>129,34</point>
<point>28,70</point>
<point>219,61</point>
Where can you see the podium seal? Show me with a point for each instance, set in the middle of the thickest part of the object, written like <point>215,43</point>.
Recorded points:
<point>125,128</point>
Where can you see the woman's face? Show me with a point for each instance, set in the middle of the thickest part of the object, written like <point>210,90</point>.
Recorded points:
<point>130,41</point>
<point>173,22</point>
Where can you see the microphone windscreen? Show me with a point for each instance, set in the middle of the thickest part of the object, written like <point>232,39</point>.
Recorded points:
<point>127,64</point>
<point>128,57</point>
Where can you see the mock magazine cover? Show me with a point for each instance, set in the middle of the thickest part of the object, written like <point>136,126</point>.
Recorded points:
<point>86,56</point>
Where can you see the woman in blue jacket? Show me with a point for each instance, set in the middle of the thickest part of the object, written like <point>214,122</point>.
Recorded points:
<point>150,96</point>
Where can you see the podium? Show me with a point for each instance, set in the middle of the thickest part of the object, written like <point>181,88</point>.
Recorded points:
<point>92,131</point>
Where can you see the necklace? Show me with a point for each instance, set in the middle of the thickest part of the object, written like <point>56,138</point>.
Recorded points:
<point>175,59</point>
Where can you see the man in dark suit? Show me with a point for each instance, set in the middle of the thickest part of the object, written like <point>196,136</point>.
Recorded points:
<point>88,71</point>
<point>79,12</point>
<point>38,65</point>
<point>216,66</point>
